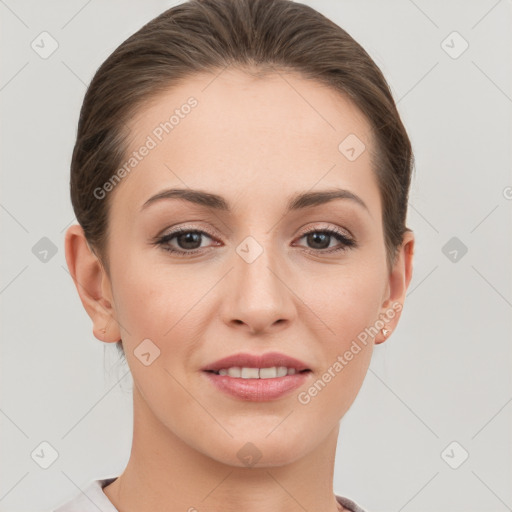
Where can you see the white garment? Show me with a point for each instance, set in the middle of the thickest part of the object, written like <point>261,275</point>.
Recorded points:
<point>93,499</point>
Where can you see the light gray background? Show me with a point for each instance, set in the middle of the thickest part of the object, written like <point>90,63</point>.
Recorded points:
<point>443,376</point>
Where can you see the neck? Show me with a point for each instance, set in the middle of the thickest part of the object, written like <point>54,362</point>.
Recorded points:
<point>166,474</point>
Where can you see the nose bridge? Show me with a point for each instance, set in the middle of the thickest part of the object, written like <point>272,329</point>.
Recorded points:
<point>256,265</point>
<point>257,294</point>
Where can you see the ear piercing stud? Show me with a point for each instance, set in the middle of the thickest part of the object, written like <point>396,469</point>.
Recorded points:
<point>104,330</point>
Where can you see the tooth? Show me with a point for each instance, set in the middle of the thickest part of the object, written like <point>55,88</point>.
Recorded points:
<point>255,373</point>
<point>268,373</point>
<point>250,373</point>
<point>234,371</point>
<point>282,371</point>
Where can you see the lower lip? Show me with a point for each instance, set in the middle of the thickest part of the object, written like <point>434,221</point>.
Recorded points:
<point>257,390</point>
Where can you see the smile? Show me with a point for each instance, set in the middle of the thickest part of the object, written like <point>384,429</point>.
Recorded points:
<point>257,373</point>
<point>257,384</point>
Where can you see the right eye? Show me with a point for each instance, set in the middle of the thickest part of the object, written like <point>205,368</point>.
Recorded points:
<point>187,240</point>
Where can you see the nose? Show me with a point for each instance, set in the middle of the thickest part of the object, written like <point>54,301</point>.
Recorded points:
<point>257,297</point>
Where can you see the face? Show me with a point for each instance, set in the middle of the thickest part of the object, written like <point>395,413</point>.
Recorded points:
<point>254,271</point>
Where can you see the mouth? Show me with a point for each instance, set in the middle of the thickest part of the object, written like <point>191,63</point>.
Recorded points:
<point>257,377</point>
<point>245,372</point>
<point>257,384</point>
<point>250,366</point>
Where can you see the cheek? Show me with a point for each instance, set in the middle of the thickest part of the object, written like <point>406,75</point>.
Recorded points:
<point>348,305</point>
<point>143,299</point>
<point>139,285</point>
<point>160,303</point>
<point>345,302</point>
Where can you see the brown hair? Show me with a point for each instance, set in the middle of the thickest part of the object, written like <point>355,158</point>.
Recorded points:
<point>252,35</point>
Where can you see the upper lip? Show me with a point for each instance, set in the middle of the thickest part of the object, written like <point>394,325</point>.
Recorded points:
<point>267,360</point>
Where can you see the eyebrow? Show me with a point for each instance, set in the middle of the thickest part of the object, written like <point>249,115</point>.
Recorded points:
<point>296,202</point>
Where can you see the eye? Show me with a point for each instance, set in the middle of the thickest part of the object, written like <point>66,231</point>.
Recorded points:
<point>320,239</point>
<point>189,241</point>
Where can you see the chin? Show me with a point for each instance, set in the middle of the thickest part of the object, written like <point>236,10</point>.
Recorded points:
<point>260,450</point>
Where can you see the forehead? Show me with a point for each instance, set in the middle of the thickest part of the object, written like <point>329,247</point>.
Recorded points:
<point>233,134</point>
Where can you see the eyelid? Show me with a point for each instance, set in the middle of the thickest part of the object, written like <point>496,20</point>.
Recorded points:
<point>315,227</point>
<point>345,241</point>
<point>329,227</point>
<point>170,230</point>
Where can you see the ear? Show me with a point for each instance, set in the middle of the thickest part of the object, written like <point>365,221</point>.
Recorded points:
<point>399,280</point>
<point>93,285</point>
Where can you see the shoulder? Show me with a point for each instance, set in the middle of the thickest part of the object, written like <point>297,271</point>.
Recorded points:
<point>350,505</point>
<point>90,499</point>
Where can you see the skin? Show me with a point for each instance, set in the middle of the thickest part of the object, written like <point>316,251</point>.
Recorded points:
<point>256,142</point>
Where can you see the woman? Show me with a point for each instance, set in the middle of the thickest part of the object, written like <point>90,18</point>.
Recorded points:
<point>240,178</point>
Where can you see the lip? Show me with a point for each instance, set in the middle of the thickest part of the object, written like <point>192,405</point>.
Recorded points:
<point>267,360</point>
<point>257,390</point>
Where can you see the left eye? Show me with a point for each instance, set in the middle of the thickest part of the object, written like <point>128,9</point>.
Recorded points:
<point>319,237</point>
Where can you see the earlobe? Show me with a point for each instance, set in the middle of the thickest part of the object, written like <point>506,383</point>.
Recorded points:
<point>92,284</point>
<point>399,280</point>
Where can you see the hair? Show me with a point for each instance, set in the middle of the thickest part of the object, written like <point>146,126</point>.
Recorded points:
<point>256,36</point>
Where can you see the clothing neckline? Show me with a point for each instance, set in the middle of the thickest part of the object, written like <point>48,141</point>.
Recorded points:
<point>347,503</point>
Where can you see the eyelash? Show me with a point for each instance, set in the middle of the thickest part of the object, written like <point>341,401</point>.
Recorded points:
<point>347,243</point>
